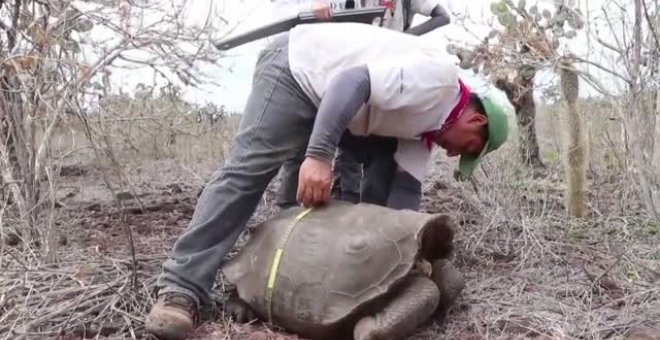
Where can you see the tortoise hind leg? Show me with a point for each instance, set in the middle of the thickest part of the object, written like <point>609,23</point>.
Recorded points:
<point>450,281</point>
<point>414,303</point>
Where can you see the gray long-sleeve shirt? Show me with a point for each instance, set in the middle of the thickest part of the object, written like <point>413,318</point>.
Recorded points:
<point>347,92</point>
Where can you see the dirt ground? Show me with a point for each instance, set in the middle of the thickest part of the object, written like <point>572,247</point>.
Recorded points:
<point>530,273</point>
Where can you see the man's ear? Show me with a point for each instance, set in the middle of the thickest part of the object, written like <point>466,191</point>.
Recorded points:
<point>478,119</point>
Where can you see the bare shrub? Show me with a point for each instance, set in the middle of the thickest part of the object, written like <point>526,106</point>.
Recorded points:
<point>58,60</point>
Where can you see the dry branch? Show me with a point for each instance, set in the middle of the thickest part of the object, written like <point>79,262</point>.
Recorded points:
<point>51,69</point>
<point>77,297</point>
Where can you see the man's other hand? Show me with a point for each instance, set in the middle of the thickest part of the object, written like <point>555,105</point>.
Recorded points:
<point>321,10</point>
<point>314,182</point>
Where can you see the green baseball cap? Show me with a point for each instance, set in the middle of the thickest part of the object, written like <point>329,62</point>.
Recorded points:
<point>498,131</point>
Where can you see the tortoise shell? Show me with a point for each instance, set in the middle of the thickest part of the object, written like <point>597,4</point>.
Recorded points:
<point>337,258</point>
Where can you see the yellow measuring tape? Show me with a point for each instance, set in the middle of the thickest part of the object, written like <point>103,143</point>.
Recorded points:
<point>276,262</point>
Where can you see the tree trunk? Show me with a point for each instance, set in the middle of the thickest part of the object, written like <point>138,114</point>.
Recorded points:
<point>575,145</point>
<point>529,146</point>
<point>520,93</point>
<point>16,158</point>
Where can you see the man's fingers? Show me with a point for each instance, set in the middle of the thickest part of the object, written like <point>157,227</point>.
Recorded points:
<point>325,191</point>
<point>307,196</point>
<point>322,10</point>
<point>323,14</point>
<point>300,194</point>
<point>318,195</point>
<point>314,183</point>
<point>313,194</point>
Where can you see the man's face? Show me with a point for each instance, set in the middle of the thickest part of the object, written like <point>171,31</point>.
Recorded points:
<point>466,136</point>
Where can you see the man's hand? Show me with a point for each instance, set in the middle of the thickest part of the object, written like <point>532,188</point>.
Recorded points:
<point>321,10</point>
<point>314,182</point>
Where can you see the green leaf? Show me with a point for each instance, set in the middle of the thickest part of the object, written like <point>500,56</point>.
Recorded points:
<point>75,46</point>
<point>552,156</point>
<point>505,19</point>
<point>522,4</point>
<point>71,46</point>
<point>83,25</point>
<point>575,22</point>
<point>527,72</point>
<point>494,8</point>
<point>632,276</point>
<point>561,17</point>
<point>492,34</point>
<point>570,34</point>
<point>503,8</point>
<point>466,63</point>
<point>533,10</point>
<point>547,14</point>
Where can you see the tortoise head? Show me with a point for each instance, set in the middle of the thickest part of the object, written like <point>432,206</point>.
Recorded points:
<point>437,241</point>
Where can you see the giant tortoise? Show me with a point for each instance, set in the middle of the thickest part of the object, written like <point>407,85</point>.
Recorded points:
<point>345,271</point>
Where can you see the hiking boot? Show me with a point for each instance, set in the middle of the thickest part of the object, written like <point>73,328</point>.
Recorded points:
<point>172,317</point>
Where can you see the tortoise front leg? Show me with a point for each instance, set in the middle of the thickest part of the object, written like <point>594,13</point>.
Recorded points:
<point>414,303</point>
<point>239,310</point>
<point>450,281</point>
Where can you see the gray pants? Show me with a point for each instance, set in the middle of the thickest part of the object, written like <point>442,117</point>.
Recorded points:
<point>275,129</point>
<point>384,183</point>
<point>348,178</point>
